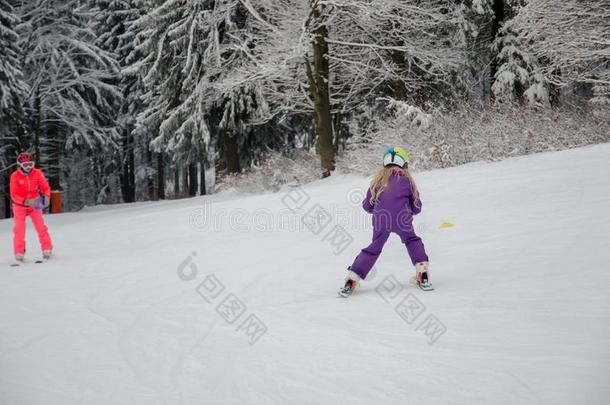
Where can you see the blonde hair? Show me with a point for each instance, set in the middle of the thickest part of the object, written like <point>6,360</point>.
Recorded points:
<point>382,178</point>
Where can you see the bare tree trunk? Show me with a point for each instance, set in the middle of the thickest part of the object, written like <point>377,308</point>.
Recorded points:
<point>160,177</point>
<point>124,173</point>
<point>177,182</point>
<point>150,178</point>
<point>319,84</point>
<point>231,153</point>
<point>7,196</point>
<point>202,190</point>
<point>131,162</point>
<point>192,172</point>
<point>185,182</point>
<point>127,176</point>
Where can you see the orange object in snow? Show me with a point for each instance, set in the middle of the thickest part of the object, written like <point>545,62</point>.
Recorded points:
<point>56,205</point>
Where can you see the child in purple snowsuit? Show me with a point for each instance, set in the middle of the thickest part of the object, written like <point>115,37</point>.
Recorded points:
<point>393,199</point>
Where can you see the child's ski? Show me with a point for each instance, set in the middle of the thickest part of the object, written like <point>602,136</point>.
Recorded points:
<point>45,257</point>
<point>424,286</point>
<point>348,288</point>
<point>22,262</point>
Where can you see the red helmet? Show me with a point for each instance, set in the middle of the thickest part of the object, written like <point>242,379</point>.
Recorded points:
<point>25,157</point>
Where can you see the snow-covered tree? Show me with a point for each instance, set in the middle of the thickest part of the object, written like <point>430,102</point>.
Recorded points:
<point>518,75</point>
<point>12,86</point>
<point>176,120</point>
<point>13,90</point>
<point>475,22</point>
<point>71,82</point>
<point>149,94</point>
<point>571,39</point>
<point>497,59</point>
<point>403,45</point>
<point>200,100</point>
<point>363,49</point>
<point>111,23</point>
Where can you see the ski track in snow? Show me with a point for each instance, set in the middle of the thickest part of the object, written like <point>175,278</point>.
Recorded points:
<point>521,287</point>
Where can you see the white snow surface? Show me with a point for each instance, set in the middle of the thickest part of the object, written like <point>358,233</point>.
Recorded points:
<point>522,287</point>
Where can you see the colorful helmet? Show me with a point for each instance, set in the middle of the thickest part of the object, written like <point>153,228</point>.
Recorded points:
<point>25,157</point>
<point>395,155</point>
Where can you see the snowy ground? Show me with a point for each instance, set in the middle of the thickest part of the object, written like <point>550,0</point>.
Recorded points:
<point>520,315</point>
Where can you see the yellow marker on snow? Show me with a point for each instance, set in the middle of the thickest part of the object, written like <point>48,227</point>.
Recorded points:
<point>446,225</point>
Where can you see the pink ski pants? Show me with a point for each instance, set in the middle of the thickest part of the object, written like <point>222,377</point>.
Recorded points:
<point>19,214</point>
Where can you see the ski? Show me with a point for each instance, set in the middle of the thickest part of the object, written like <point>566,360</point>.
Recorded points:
<point>21,263</point>
<point>425,286</point>
<point>45,258</point>
<point>347,289</point>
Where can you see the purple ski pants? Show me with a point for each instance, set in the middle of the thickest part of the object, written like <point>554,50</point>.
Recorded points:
<point>367,257</point>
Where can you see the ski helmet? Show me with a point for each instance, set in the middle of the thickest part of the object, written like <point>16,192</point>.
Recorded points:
<point>395,155</point>
<point>25,157</point>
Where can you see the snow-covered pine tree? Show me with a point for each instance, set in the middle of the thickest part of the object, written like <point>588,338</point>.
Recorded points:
<point>162,53</point>
<point>199,100</point>
<point>267,71</point>
<point>132,49</point>
<point>71,79</point>
<point>518,76</point>
<point>13,91</point>
<point>497,61</point>
<point>12,86</point>
<point>111,22</point>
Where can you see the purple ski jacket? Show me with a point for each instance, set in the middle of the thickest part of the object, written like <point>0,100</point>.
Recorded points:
<point>395,206</point>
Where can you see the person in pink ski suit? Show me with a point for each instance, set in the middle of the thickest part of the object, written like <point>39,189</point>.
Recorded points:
<point>26,187</point>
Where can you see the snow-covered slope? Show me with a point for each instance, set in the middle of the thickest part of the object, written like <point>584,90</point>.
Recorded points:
<point>132,309</point>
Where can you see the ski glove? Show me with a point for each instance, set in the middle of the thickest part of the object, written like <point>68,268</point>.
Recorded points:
<point>47,201</point>
<point>31,202</point>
